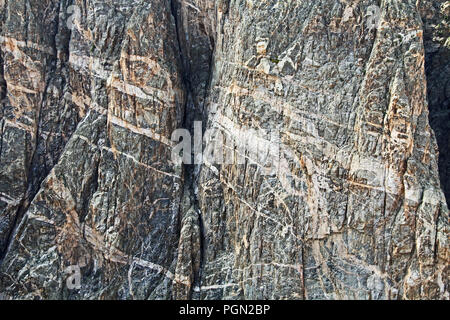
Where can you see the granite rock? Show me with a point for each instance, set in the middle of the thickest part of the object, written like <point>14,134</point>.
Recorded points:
<point>329,169</point>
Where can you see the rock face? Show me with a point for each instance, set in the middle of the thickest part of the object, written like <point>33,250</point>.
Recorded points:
<point>437,54</point>
<point>322,183</point>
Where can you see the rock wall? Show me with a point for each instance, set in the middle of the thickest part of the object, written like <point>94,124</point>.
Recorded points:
<point>347,93</point>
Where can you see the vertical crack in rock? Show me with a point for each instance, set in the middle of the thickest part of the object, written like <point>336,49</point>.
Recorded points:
<point>3,89</point>
<point>436,19</point>
<point>195,28</point>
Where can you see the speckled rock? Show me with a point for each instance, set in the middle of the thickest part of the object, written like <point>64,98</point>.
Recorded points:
<point>350,206</point>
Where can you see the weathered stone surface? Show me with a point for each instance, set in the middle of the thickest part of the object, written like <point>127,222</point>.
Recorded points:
<point>111,203</point>
<point>350,208</point>
<point>436,17</point>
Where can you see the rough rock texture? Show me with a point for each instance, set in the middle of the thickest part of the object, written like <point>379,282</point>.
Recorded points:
<point>92,91</point>
<point>437,54</point>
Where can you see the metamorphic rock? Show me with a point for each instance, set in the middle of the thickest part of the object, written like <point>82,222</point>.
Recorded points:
<point>353,95</point>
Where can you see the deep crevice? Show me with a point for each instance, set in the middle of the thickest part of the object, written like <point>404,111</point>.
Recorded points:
<point>437,70</point>
<point>193,112</point>
<point>435,21</point>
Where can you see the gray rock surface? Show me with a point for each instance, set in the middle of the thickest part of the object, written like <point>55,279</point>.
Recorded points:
<point>437,54</point>
<point>353,95</point>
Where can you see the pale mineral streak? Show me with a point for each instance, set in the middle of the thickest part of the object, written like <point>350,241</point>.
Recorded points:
<point>354,205</point>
